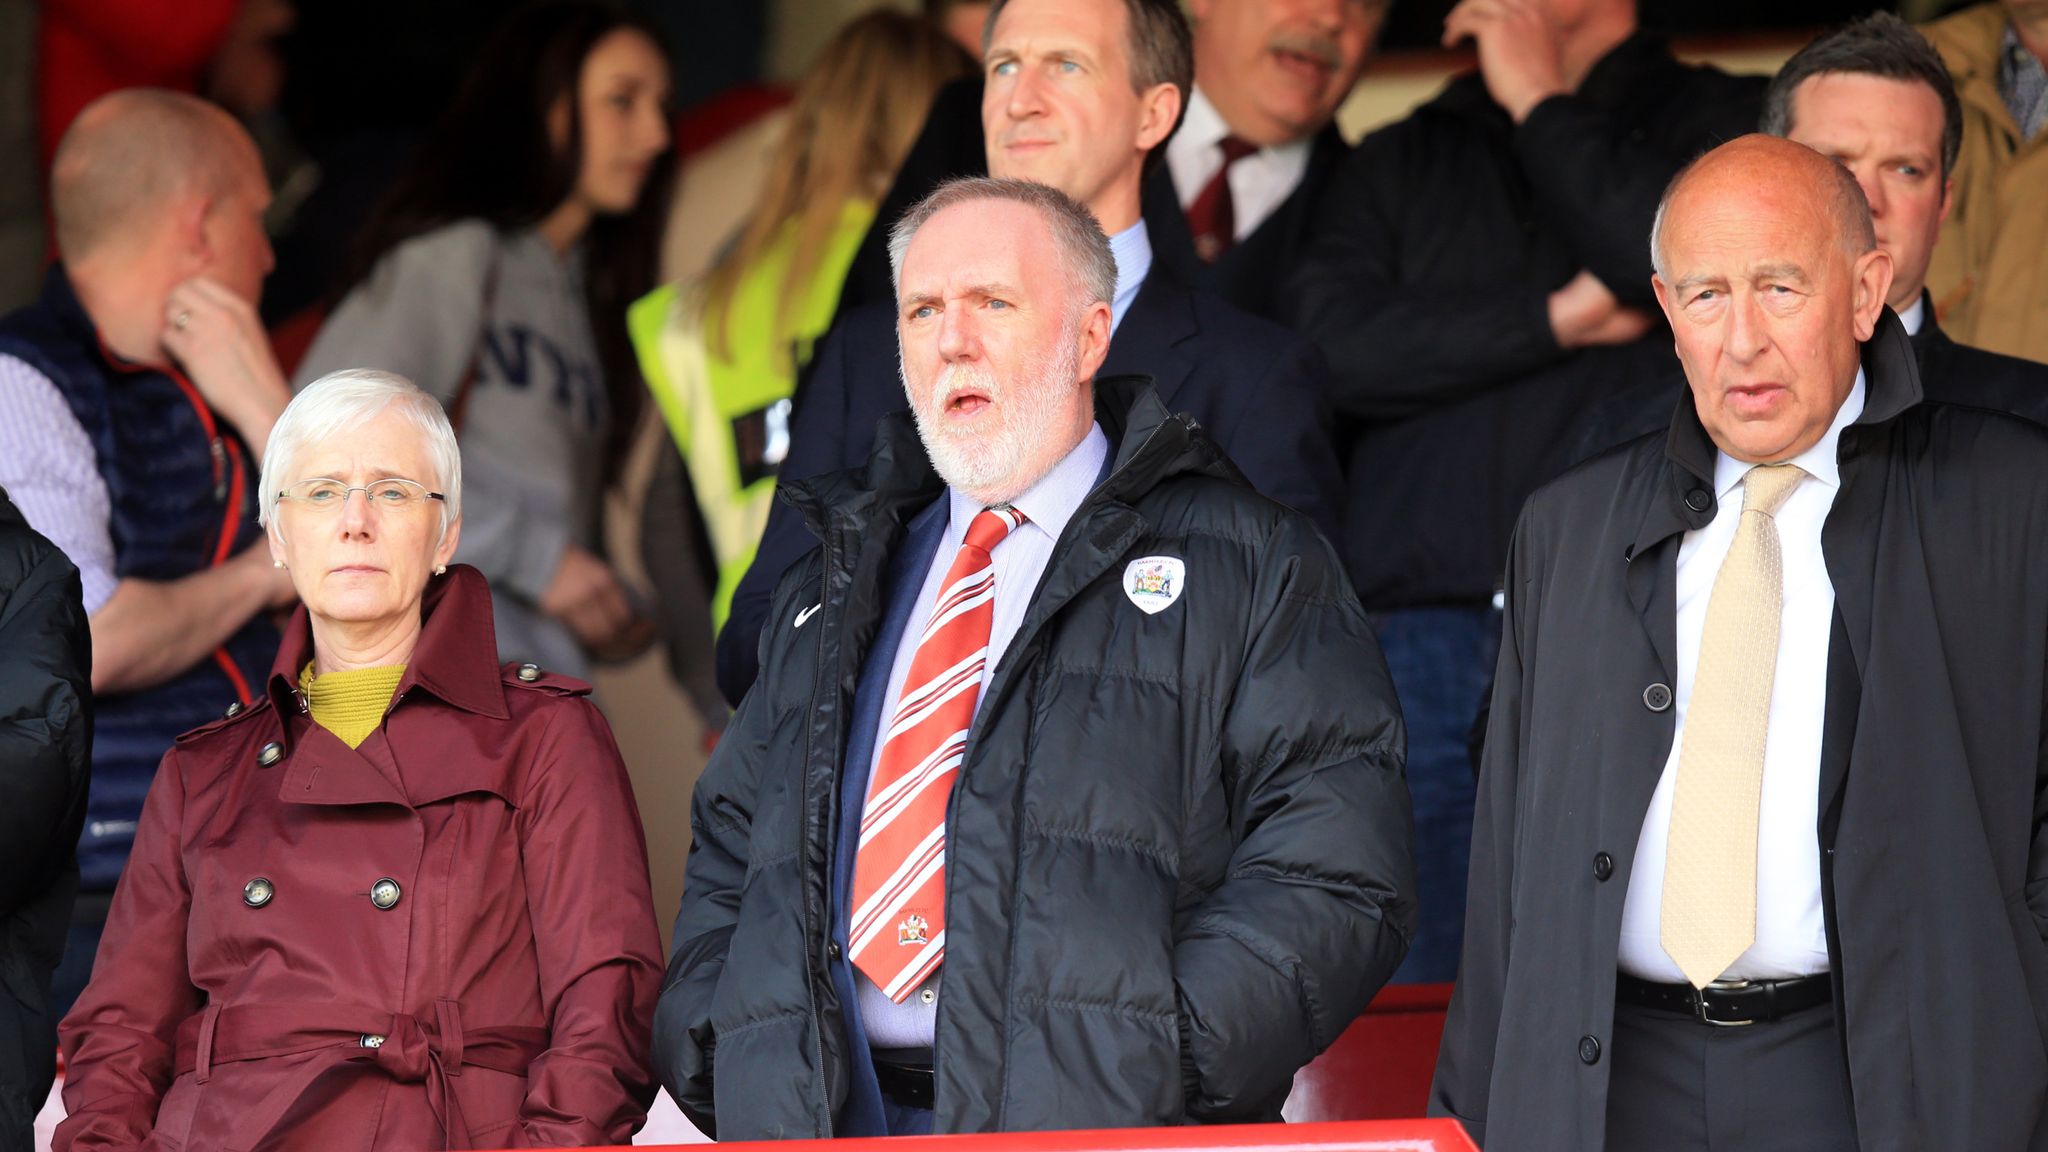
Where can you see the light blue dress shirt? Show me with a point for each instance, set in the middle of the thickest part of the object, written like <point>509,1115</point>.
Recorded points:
<point>1019,562</point>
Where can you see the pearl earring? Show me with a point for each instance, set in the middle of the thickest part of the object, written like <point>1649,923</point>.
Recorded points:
<point>277,563</point>
<point>440,569</point>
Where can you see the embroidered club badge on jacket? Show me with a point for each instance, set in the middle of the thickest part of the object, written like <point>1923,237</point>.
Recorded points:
<point>1154,582</point>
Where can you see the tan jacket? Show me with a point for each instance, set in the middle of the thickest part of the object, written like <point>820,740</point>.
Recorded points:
<point>1990,271</point>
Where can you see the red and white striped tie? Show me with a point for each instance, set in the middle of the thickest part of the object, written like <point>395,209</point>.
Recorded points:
<point>899,871</point>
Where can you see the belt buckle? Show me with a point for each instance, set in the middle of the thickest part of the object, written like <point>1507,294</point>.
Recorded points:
<point>1699,1002</point>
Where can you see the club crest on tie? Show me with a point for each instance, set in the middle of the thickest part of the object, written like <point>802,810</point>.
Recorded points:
<point>1153,583</point>
<point>914,930</point>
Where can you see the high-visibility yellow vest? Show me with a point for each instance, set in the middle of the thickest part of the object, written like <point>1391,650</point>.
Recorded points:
<point>729,415</point>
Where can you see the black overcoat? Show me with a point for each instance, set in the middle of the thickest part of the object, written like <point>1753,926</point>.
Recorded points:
<point>1934,865</point>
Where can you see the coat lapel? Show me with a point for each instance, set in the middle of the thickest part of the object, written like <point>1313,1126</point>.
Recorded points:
<point>1849,539</point>
<point>322,770</point>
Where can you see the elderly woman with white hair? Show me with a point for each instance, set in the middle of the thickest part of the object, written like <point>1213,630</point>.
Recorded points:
<point>402,900</point>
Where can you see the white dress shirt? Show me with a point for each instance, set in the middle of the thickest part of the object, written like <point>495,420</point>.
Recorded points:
<point>1259,183</point>
<point>49,468</point>
<point>1914,316</point>
<point>1791,934</point>
<point>1019,560</point>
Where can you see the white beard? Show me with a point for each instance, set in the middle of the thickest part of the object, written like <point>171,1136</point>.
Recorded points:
<point>995,465</point>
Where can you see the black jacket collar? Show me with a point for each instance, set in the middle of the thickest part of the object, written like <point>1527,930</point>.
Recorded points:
<point>1149,445</point>
<point>1891,380</point>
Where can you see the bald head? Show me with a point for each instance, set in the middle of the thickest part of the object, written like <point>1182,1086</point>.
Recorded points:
<point>1772,280</point>
<point>131,156</point>
<point>1780,175</point>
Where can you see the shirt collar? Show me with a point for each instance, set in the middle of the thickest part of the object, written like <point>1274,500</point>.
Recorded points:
<point>1132,248</point>
<point>1202,130</point>
<point>1202,126</point>
<point>1914,316</point>
<point>1820,461</point>
<point>1051,502</point>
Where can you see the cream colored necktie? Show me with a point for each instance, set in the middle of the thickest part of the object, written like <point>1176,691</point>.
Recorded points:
<point>1709,905</point>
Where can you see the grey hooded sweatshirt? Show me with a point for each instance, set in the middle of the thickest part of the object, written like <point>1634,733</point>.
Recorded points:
<point>506,312</point>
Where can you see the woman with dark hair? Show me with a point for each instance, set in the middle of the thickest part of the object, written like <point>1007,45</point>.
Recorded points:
<point>497,276</point>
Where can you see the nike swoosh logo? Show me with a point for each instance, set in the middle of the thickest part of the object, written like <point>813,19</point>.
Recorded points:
<point>807,613</point>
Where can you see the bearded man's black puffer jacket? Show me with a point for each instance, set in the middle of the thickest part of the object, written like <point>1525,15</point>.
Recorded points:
<point>1179,857</point>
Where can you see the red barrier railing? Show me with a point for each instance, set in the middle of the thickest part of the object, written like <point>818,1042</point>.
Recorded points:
<point>1353,1136</point>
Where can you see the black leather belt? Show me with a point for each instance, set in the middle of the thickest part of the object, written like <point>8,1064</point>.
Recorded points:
<point>908,1084</point>
<point>1729,1003</point>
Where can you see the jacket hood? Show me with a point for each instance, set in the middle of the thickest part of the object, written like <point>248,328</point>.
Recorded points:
<point>1149,446</point>
<point>456,658</point>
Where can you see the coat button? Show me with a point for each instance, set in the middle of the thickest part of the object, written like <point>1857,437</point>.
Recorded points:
<point>528,673</point>
<point>1603,866</point>
<point>832,951</point>
<point>384,893</point>
<point>256,893</point>
<point>233,711</point>
<point>1657,697</point>
<point>1699,500</point>
<point>270,754</point>
<point>1589,1050</point>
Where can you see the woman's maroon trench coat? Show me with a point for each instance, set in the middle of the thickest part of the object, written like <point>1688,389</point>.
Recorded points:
<point>442,939</point>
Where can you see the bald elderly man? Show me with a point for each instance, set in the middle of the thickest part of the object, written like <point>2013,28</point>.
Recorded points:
<point>1759,859</point>
<point>135,398</point>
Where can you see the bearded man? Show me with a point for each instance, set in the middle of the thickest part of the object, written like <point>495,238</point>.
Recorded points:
<point>1072,758</point>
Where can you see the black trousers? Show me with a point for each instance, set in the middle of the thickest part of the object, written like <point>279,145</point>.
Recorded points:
<point>1678,1085</point>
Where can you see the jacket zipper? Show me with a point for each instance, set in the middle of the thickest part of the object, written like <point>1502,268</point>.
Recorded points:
<point>827,557</point>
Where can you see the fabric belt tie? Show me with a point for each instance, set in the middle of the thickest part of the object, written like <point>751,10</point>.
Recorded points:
<point>404,1047</point>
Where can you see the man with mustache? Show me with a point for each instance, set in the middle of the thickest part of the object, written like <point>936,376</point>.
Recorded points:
<point>1079,95</point>
<point>1070,794</point>
<point>1761,855</point>
<point>1477,278</point>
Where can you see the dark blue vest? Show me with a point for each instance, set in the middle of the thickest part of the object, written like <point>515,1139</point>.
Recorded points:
<point>178,481</point>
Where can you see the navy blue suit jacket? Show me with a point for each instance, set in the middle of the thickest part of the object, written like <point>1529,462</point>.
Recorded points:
<point>1256,387</point>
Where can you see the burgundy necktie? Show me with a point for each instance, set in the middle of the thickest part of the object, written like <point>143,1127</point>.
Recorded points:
<point>1212,217</point>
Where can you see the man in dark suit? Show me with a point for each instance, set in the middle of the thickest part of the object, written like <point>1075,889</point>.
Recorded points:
<point>1875,96</point>
<point>1478,279</point>
<point>1080,94</point>
<point>1269,75</point>
<point>1766,741</point>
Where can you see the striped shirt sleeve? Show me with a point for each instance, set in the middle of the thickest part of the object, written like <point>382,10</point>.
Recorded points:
<point>48,469</point>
